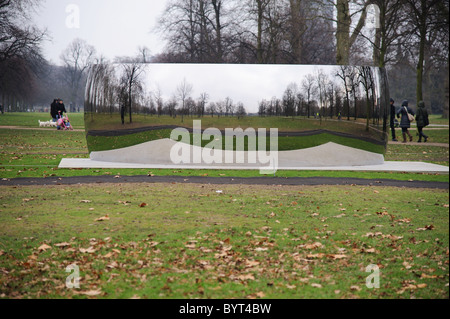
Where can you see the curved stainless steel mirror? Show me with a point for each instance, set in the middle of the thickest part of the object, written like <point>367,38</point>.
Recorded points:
<point>334,108</point>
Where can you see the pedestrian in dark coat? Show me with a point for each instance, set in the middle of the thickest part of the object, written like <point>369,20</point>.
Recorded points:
<point>54,109</point>
<point>422,120</point>
<point>122,114</point>
<point>61,109</point>
<point>392,119</point>
<point>405,124</point>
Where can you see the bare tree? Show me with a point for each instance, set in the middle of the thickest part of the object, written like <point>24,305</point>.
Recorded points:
<point>130,83</point>
<point>309,87</point>
<point>366,79</point>
<point>202,103</point>
<point>423,18</point>
<point>184,91</point>
<point>240,110</point>
<point>77,58</point>
<point>21,61</point>
<point>144,54</point>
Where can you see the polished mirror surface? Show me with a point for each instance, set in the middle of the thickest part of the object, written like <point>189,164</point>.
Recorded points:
<point>310,105</point>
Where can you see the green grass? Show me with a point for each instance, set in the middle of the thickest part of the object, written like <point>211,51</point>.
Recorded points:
<point>189,241</point>
<point>102,143</point>
<point>30,120</point>
<point>245,242</point>
<point>435,135</point>
<point>37,153</point>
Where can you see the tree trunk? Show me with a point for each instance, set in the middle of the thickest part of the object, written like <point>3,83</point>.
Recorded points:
<point>259,49</point>
<point>419,90</point>
<point>342,32</point>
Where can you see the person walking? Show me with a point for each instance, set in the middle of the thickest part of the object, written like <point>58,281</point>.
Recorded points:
<point>405,123</point>
<point>122,114</point>
<point>61,109</point>
<point>392,119</point>
<point>422,121</point>
<point>54,110</point>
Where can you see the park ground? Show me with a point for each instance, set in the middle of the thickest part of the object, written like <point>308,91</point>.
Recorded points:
<point>173,240</point>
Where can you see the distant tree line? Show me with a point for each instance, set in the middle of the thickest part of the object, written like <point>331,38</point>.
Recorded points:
<point>350,93</point>
<point>408,37</point>
<point>109,89</point>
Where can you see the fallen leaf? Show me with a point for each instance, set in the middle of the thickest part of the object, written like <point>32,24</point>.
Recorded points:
<point>113,265</point>
<point>91,293</point>
<point>421,286</point>
<point>62,245</point>
<point>143,205</point>
<point>44,247</point>
<point>313,246</point>
<point>246,277</point>
<point>85,201</point>
<point>316,285</point>
<point>88,250</point>
<point>314,256</point>
<point>101,219</point>
<point>291,286</point>
<point>337,256</point>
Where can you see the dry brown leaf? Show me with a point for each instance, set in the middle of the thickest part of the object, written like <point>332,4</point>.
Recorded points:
<point>421,286</point>
<point>313,246</point>
<point>246,277</point>
<point>314,256</point>
<point>291,286</point>
<point>338,256</point>
<point>113,265</point>
<point>423,276</point>
<point>316,285</point>
<point>89,250</point>
<point>62,245</point>
<point>101,219</point>
<point>44,247</point>
<point>91,293</point>
<point>260,294</point>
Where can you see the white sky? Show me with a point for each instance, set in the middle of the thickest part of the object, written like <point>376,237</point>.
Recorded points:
<point>113,27</point>
<point>246,83</point>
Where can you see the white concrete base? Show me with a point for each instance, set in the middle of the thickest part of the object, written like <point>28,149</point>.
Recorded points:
<point>412,167</point>
<point>168,152</point>
<point>330,156</point>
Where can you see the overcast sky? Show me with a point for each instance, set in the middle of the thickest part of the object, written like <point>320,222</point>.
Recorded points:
<point>113,27</point>
<point>246,83</point>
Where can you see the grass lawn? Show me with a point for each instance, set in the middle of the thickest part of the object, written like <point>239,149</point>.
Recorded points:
<point>173,241</point>
<point>37,153</point>
<point>191,241</point>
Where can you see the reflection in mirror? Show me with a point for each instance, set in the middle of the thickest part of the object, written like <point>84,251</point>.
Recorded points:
<point>310,105</point>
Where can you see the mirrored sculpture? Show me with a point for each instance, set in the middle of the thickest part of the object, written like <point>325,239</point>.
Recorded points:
<point>311,115</point>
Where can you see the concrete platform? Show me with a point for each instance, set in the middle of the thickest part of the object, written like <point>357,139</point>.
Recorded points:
<point>412,167</point>
<point>167,151</point>
<point>326,157</point>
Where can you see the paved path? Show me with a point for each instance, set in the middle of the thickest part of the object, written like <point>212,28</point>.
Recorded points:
<point>296,181</point>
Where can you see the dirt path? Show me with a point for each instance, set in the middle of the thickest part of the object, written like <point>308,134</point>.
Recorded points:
<point>419,144</point>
